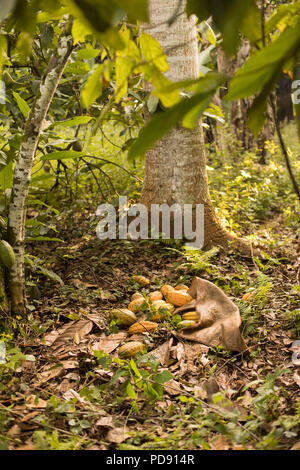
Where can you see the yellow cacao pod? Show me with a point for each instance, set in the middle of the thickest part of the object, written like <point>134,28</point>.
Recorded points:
<point>156,295</point>
<point>182,287</point>
<point>162,309</point>
<point>247,296</point>
<point>136,295</point>
<point>186,323</point>
<point>136,304</point>
<point>190,316</point>
<point>178,298</point>
<point>141,280</point>
<point>166,288</point>
<point>7,255</point>
<point>130,349</point>
<point>123,315</point>
<point>142,327</point>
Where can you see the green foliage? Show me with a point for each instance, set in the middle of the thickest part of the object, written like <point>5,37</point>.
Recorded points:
<point>262,71</point>
<point>231,17</point>
<point>188,111</point>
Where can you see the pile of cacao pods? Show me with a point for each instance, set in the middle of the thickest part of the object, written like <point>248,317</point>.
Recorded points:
<point>145,312</point>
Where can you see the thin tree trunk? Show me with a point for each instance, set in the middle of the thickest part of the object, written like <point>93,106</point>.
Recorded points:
<point>175,168</point>
<point>3,297</point>
<point>23,167</point>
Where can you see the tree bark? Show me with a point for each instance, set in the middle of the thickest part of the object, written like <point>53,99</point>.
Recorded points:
<point>175,168</point>
<point>23,167</point>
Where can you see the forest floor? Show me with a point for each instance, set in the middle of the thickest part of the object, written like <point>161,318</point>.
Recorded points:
<point>59,391</point>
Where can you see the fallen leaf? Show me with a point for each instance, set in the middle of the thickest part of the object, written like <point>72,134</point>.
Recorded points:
<point>31,402</point>
<point>296,446</point>
<point>75,329</point>
<point>117,435</point>
<point>105,422</point>
<point>297,378</point>
<point>70,394</point>
<point>219,443</point>
<point>109,343</point>
<point>172,387</point>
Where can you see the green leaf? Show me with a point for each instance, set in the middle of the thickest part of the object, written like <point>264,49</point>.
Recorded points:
<point>135,9</point>
<point>283,16</point>
<point>261,68</point>
<point>76,121</point>
<point>130,391</point>
<point>93,87</point>
<point>153,52</point>
<point>231,17</point>
<point>63,155</point>
<point>32,202</point>
<point>3,48</point>
<point>163,377</point>
<point>6,177</point>
<point>23,106</point>
<point>134,368</point>
<point>161,123</point>
<point>123,71</point>
<point>44,239</point>
<point>87,53</point>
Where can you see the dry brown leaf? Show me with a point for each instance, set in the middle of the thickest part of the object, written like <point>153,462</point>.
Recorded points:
<point>70,394</point>
<point>15,430</point>
<point>109,343</point>
<point>32,402</point>
<point>172,387</point>
<point>219,443</point>
<point>29,416</point>
<point>163,351</point>
<point>66,334</point>
<point>297,378</point>
<point>117,435</point>
<point>296,446</point>
<point>105,422</point>
<point>28,446</point>
<point>97,319</point>
<point>70,364</point>
<point>48,374</point>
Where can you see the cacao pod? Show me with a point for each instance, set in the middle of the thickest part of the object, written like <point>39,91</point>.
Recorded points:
<point>156,295</point>
<point>136,304</point>
<point>190,316</point>
<point>178,298</point>
<point>7,255</point>
<point>141,280</point>
<point>130,349</point>
<point>162,309</point>
<point>182,287</point>
<point>186,323</point>
<point>123,315</point>
<point>166,288</point>
<point>247,296</point>
<point>142,327</point>
<point>136,295</point>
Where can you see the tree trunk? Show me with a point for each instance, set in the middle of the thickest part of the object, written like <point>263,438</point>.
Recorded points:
<point>3,297</point>
<point>175,168</point>
<point>22,172</point>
